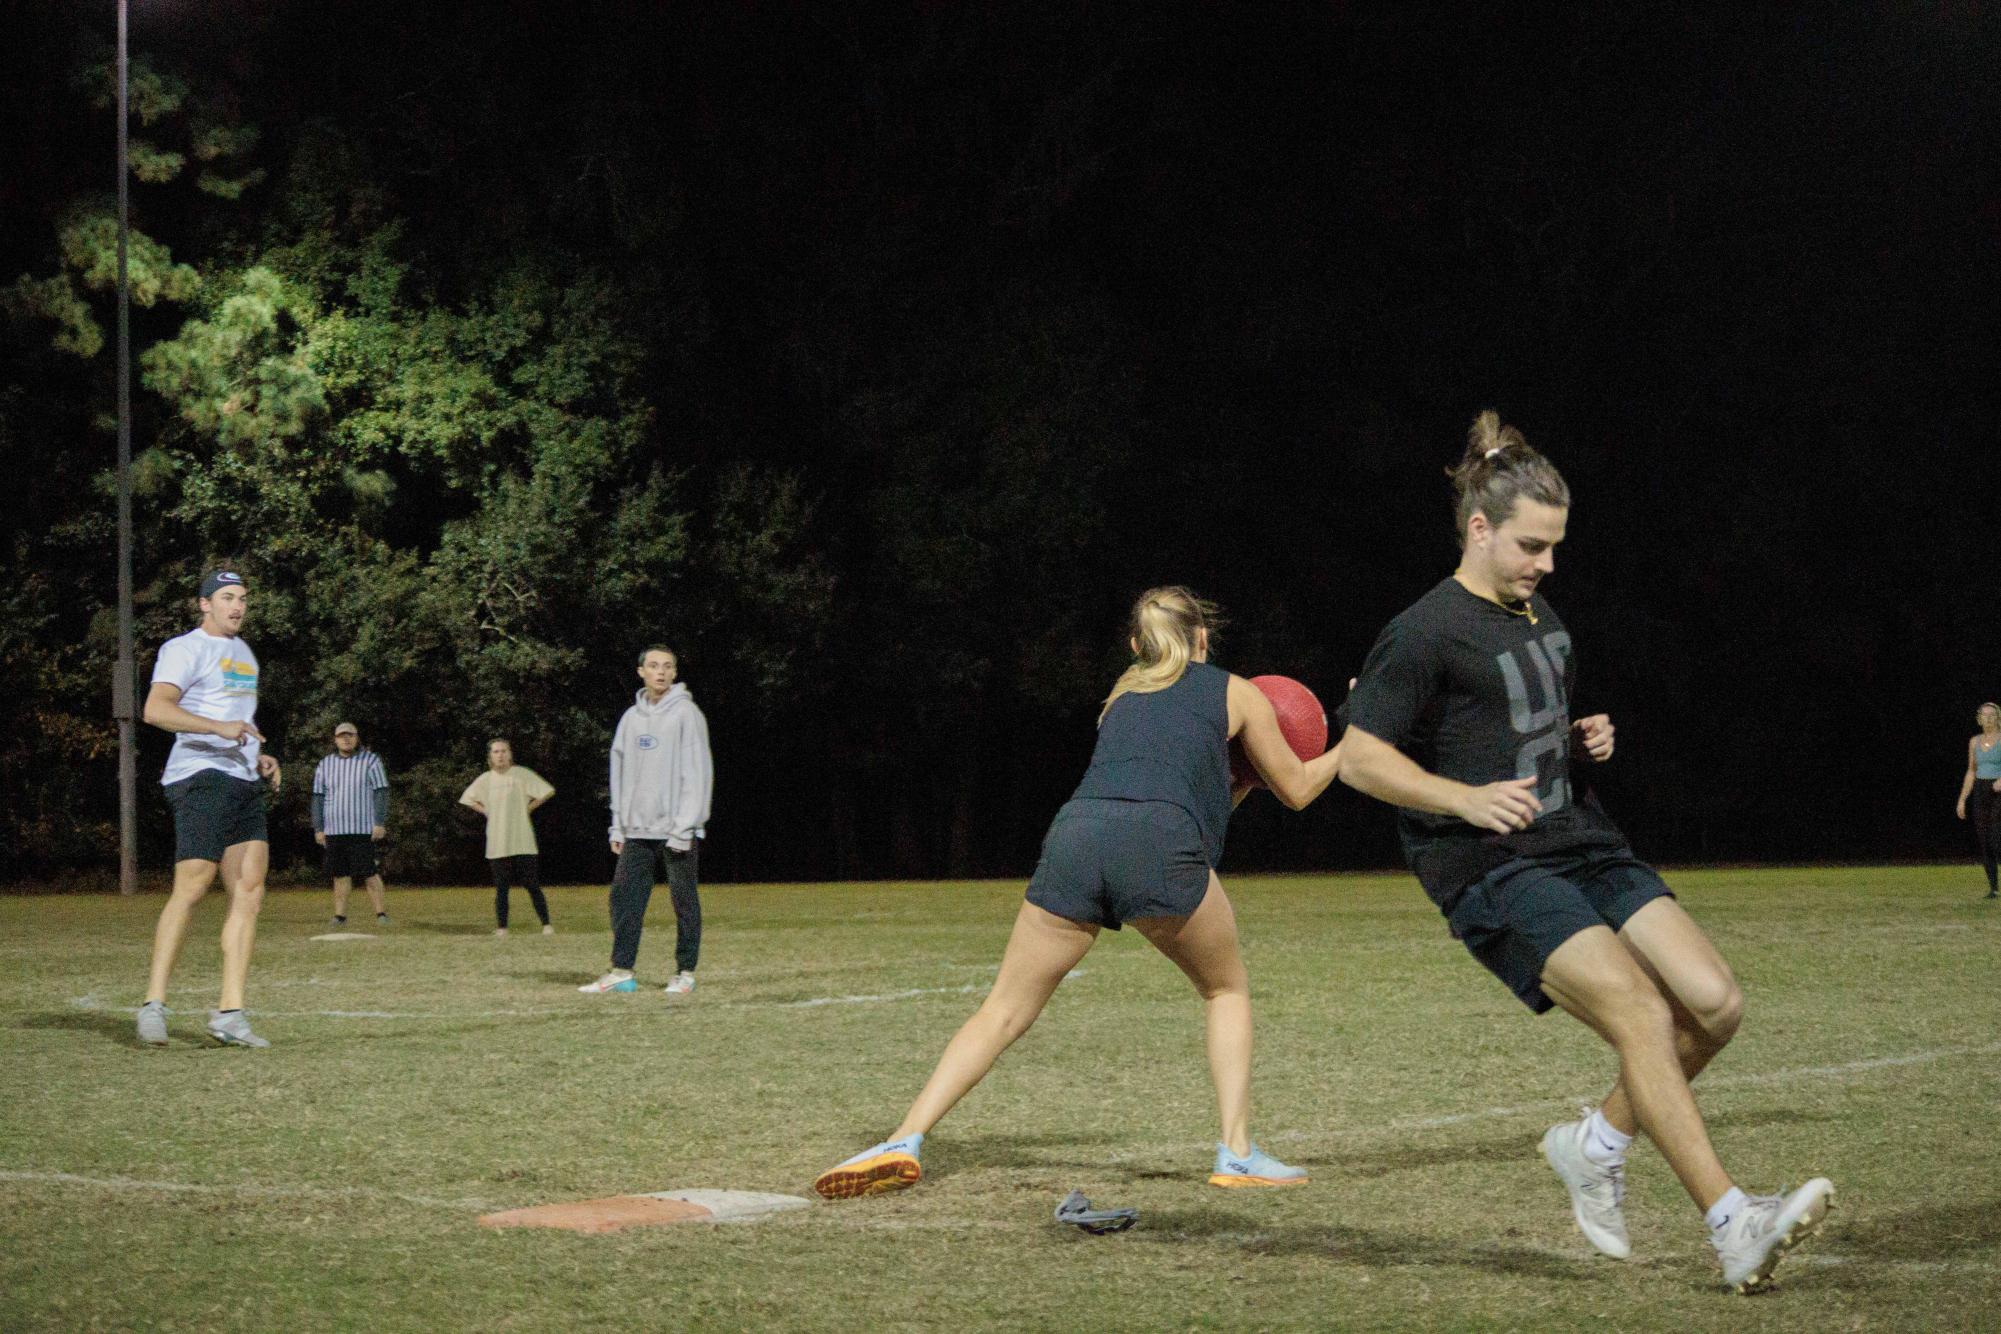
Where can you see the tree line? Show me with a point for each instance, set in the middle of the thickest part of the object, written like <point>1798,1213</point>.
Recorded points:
<point>465,480</point>
<point>875,356</point>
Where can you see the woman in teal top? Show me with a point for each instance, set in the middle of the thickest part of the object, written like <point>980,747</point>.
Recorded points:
<point>1983,784</point>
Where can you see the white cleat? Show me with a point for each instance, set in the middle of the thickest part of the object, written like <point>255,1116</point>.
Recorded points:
<point>610,982</point>
<point>1597,1194</point>
<point>683,983</point>
<point>1752,1244</point>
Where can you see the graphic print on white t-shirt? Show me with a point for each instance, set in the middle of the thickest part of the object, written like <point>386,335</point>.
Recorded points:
<point>218,680</point>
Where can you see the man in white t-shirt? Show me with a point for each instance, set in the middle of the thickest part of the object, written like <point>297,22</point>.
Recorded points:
<point>205,692</point>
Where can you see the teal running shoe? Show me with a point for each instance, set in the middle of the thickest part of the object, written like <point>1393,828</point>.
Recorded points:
<point>1256,1168</point>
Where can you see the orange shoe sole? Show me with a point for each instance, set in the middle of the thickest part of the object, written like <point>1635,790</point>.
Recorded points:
<point>1241,1183</point>
<point>891,1171</point>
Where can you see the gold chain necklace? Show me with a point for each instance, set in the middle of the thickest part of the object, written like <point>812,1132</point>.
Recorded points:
<point>1526,609</point>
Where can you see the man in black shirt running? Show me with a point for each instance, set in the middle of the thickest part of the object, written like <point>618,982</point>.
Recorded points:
<point>1461,718</point>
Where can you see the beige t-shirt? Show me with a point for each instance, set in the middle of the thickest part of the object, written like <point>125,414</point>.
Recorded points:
<point>509,831</point>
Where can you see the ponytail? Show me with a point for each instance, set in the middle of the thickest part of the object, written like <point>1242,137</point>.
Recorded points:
<point>1498,471</point>
<point>1164,625</point>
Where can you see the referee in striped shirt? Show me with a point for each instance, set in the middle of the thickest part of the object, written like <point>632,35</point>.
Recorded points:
<point>350,816</point>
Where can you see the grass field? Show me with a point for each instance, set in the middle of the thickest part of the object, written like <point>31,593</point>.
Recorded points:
<point>422,1078</point>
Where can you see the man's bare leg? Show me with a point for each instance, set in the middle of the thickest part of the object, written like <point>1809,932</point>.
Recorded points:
<point>343,886</point>
<point>243,869</point>
<point>376,895</point>
<point>1595,978</point>
<point>1701,992</point>
<point>191,880</point>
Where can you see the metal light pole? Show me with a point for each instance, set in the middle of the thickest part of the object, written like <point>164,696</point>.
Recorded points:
<point>125,682</point>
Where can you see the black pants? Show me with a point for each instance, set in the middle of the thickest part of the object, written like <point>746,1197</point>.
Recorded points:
<point>529,869</point>
<point>1986,813</point>
<point>632,888</point>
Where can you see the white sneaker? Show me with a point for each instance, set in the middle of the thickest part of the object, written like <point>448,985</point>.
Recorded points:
<point>613,981</point>
<point>231,1029</point>
<point>683,983</point>
<point>500,931</point>
<point>1751,1244</point>
<point>1597,1194</point>
<point>153,1023</point>
<point>548,930</point>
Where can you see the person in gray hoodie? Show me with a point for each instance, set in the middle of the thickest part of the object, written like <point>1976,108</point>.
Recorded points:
<point>662,776</point>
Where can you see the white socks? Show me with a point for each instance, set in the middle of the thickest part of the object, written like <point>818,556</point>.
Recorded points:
<point>1604,1143</point>
<point>1725,1209</point>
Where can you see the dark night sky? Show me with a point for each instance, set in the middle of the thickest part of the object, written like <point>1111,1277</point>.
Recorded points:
<point>1734,271</point>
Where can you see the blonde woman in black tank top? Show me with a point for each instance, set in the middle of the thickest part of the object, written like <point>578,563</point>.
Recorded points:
<point>1138,844</point>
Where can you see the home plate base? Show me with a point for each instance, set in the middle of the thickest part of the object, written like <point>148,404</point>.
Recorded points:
<point>347,935</point>
<point>616,1212</point>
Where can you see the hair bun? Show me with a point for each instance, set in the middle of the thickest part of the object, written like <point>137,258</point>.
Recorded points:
<point>1498,469</point>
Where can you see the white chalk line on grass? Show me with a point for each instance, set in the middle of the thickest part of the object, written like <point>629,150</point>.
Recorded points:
<point>1785,1076</point>
<point>91,1003</point>
<point>1543,1106</point>
<point>1399,1126</point>
<point>968,989</point>
<point>262,1192</point>
<point>818,1001</point>
<point>95,1006</point>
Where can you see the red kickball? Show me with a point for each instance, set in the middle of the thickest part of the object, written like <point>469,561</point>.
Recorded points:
<point>1300,718</point>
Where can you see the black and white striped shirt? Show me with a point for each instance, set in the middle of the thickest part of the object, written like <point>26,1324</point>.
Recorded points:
<point>347,788</point>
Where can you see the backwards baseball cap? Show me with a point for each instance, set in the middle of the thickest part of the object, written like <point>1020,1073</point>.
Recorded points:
<point>220,579</point>
<point>346,727</point>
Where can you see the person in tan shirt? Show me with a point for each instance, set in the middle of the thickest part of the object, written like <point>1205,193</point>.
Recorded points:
<point>507,795</point>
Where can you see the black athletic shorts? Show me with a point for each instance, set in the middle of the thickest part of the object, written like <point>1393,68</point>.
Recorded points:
<point>350,855</point>
<point>1514,917</point>
<point>213,811</point>
<point>1107,862</point>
